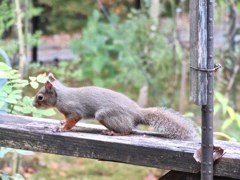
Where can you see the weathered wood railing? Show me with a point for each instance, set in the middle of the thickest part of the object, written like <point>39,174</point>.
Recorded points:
<point>139,148</point>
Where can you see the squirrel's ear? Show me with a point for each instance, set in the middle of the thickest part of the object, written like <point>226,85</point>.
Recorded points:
<point>48,86</point>
<point>51,78</point>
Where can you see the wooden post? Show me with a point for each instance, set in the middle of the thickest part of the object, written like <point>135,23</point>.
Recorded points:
<point>198,51</point>
<point>202,69</point>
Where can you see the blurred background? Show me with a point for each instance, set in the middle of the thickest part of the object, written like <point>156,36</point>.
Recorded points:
<point>137,47</point>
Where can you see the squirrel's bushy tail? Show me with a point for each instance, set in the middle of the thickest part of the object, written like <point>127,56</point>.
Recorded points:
<point>172,124</point>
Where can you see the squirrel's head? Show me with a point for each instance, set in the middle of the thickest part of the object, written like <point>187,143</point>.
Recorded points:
<point>46,97</point>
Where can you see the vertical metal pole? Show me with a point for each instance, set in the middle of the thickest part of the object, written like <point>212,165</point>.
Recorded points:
<point>207,110</point>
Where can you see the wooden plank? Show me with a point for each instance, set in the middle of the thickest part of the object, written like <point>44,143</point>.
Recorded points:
<point>198,51</point>
<point>139,148</point>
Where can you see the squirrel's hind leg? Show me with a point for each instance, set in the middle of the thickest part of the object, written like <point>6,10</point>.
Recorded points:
<point>115,122</point>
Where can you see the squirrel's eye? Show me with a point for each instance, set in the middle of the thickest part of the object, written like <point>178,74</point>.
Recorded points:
<point>40,97</point>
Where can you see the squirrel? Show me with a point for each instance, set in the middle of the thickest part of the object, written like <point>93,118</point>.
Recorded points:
<point>118,113</point>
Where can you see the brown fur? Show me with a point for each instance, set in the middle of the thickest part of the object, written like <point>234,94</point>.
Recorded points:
<point>115,111</point>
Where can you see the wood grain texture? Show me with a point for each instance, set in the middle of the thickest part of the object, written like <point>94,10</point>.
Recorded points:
<point>198,51</point>
<point>139,148</point>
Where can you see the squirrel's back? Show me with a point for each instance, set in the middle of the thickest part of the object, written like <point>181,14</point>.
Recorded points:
<point>96,95</point>
<point>90,99</point>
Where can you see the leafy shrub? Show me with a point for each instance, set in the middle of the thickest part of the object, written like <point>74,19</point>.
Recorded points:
<point>11,93</point>
<point>229,118</point>
<point>125,54</point>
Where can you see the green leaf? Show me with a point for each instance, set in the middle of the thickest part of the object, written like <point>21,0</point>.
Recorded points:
<point>4,66</point>
<point>238,119</point>
<point>231,112</point>
<point>42,78</point>
<point>21,81</point>
<point>15,96</point>
<point>223,101</point>
<point>26,99</point>
<point>189,114</point>
<point>4,75</point>
<point>48,112</point>
<point>216,108</point>
<point>34,85</point>
<point>3,94</point>
<point>17,177</point>
<point>20,85</point>
<point>38,115</point>
<point>18,91</point>
<point>7,88</point>
<point>225,136</point>
<point>11,100</point>
<point>32,78</point>
<point>4,176</point>
<point>227,123</point>
<point>14,73</point>
<point>18,108</point>
<point>20,103</point>
<point>27,110</point>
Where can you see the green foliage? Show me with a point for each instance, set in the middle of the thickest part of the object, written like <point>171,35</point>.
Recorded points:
<point>99,50</point>
<point>72,15</point>
<point>231,119</point>
<point>225,136</point>
<point>4,151</point>
<point>61,16</point>
<point>125,54</point>
<point>32,10</point>
<point>11,93</point>
<point>33,39</point>
<point>120,56</point>
<point>88,169</point>
<point>6,16</point>
<point>14,177</point>
<point>7,20</point>
<point>11,98</point>
<point>146,49</point>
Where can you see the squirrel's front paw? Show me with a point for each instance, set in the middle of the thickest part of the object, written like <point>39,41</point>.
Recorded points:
<point>57,129</point>
<point>63,122</point>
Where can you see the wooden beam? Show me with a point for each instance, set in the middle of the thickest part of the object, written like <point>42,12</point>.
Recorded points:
<point>198,52</point>
<point>139,148</point>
